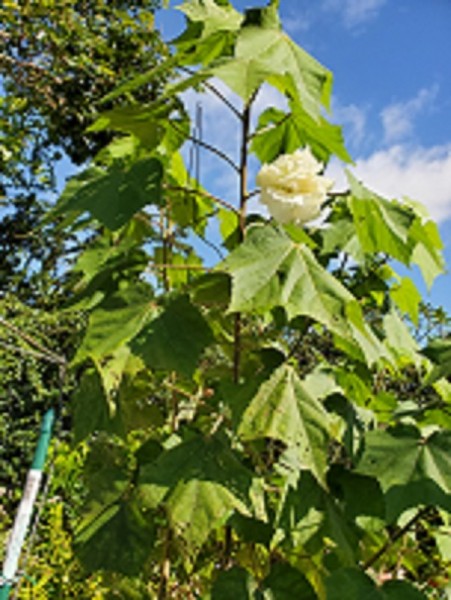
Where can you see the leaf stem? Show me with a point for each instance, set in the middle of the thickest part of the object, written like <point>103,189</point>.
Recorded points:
<point>177,188</point>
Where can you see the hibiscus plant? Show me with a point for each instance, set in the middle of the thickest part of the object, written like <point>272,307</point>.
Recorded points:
<point>243,426</point>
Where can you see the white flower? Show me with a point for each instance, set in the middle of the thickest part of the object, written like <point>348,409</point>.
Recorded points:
<point>292,188</point>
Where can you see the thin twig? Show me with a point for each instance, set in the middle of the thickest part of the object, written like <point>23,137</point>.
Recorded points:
<point>220,201</point>
<point>207,147</point>
<point>157,266</point>
<point>394,538</point>
<point>215,91</point>
<point>32,341</point>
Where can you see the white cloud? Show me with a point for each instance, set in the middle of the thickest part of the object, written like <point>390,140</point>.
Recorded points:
<point>398,119</point>
<point>422,174</point>
<point>355,12</point>
<point>353,118</point>
<point>297,23</point>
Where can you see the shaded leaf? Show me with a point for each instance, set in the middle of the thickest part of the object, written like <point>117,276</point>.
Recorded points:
<point>235,583</point>
<point>119,539</point>
<point>175,340</point>
<point>91,411</point>
<point>312,519</point>
<point>285,583</point>
<point>439,352</point>
<point>351,584</point>
<point>115,324</point>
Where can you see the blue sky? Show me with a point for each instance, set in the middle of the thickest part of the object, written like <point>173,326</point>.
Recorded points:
<point>392,94</point>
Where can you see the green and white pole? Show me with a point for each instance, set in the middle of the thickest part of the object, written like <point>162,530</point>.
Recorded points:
<point>25,510</point>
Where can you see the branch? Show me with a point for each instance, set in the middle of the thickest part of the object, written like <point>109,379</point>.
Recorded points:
<point>51,356</point>
<point>395,537</point>
<point>207,147</point>
<point>215,91</point>
<point>156,266</point>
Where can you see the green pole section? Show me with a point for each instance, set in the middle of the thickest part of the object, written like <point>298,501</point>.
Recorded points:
<point>44,440</point>
<point>25,510</point>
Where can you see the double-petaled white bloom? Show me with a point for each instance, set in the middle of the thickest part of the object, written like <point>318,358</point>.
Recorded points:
<point>292,187</point>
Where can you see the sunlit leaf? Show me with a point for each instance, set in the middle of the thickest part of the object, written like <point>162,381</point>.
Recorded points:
<point>270,270</point>
<point>113,196</point>
<point>283,133</point>
<point>283,410</point>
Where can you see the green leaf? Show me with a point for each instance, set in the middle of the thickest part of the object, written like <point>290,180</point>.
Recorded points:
<point>402,457</point>
<point>201,482</point>
<point>396,229</point>
<point>439,352</point>
<point>285,583</point>
<point>175,340</point>
<point>351,584</point>
<point>139,121</point>
<point>283,133</point>
<point>427,253</point>
<point>407,297</point>
<point>213,15</point>
<point>312,519</point>
<point>141,79</point>
<point>263,52</point>
<point>114,195</point>
<point>235,583</point>
<point>399,338</point>
<point>269,269</point>
<point>119,539</point>
<point>115,324</point>
<point>381,225</point>
<point>283,410</point>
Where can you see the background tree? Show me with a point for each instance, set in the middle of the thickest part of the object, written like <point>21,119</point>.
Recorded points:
<point>57,61</point>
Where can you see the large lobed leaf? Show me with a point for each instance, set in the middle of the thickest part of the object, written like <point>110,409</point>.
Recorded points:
<point>283,133</point>
<point>413,469</point>
<point>113,196</point>
<point>263,52</point>
<point>283,410</point>
<point>175,340</point>
<point>201,482</point>
<point>270,270</point>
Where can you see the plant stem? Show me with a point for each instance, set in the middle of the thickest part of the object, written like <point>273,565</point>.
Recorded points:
<point>165,568</point>
<point>245,119</point>
<point>394,538</point>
